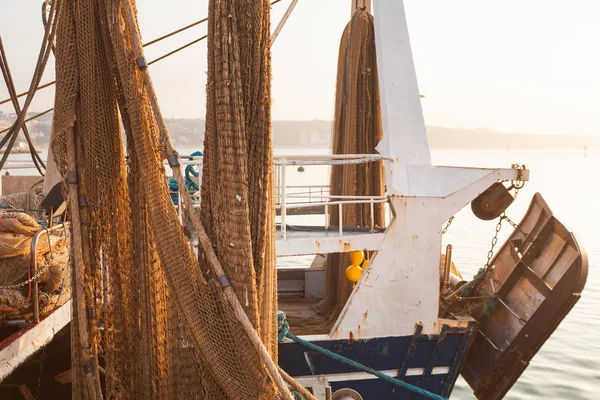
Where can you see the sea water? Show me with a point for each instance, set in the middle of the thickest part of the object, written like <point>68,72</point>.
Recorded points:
<point>568,365</point>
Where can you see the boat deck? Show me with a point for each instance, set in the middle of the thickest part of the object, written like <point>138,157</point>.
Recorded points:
<point>300,240</point>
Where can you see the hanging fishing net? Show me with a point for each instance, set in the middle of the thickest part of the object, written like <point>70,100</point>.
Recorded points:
<point>356,130</point>
<point>152,319</point>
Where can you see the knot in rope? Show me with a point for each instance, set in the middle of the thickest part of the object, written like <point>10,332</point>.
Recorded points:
<point>282,325</point>
<point>191,172</point>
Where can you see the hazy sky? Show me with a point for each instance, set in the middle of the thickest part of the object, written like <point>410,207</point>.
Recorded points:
<point>526,66</point>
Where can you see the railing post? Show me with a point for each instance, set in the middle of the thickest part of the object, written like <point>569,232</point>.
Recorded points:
<point>34,295</point>
<point>341,218</point>
<point>326,214</point>
<point>372,212</point>
<point>283,200</point>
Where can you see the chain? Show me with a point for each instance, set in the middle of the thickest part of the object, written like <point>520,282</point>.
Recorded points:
<point>39,272</point>
<point>494,242</point>
<point>447,225</point>
<point>519,183</point>
<point>515,226</point>
<point>30,280</point>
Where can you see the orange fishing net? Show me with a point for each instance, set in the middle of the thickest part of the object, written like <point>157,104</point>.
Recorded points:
<point>144,304</point>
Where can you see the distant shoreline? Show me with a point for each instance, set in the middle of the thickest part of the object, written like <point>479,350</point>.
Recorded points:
<point>189,132</point>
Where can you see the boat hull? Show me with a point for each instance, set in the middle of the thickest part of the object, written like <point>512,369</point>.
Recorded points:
<point>430,362</point>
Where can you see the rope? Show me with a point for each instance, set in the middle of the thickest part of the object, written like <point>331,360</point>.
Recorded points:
<point>145,44</point>
<point>29,119</point>
<point>177,50</point>
<point>45,85</point>
<point>175,32</point>
<point>190,173</point>
<point>283,331</point>
<point>44,55</point>
<point>297,396</point>
<point>191,186</point>
<point>17,107</point>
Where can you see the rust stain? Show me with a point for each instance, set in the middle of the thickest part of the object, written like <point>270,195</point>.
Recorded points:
<point>385,350</point>
<point>365,315</point>
<point>351,337</point>
<point>346,247</point>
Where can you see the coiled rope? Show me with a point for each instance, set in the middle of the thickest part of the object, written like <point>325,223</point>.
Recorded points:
<point>283,332</point>
<point>190,184</point>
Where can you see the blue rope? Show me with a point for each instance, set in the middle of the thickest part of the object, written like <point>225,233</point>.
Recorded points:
<point>283,331</point>
<point>297,396</point>
<point>191,186</point>
<point>189,172</point>
<point>174,189</point>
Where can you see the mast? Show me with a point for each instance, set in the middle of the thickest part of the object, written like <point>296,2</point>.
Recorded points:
<point>422,197</point>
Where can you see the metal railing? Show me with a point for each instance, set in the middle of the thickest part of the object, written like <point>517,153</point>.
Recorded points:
<point>34,267</point>
<point>303,196</point>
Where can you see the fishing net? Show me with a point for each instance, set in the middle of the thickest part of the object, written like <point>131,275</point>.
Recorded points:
<point>143,301</point>
<point>356,130</point>
<point>23,201</point>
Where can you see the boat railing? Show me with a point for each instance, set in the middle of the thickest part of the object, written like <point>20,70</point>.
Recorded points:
<point>299,199</point>
<point>62,227</point>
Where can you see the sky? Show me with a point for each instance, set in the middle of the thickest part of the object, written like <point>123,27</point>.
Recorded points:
<point>518,66</point>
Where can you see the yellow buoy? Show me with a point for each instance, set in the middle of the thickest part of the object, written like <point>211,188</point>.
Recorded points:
<point>353,273</point>
<point>356,257</point>
<point>364,266</point>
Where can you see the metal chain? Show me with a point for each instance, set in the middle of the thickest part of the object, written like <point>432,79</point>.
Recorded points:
<point>519,183</point>
<point>30,280</point>
<point>447,225</point>
<point>494,241</point>
<point>39,272</point>
<point>515,226</point>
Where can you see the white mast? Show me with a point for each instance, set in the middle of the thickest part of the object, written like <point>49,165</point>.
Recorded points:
<point>400,288</point>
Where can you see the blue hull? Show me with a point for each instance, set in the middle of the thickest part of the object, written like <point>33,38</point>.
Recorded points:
<point>430,362</point>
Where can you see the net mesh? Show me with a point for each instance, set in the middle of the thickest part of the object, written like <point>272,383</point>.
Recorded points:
<point>143,301</point>
<point>356,130</point>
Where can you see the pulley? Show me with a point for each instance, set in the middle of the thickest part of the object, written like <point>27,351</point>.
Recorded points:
<point>492,203</point>
<point>346,394</point>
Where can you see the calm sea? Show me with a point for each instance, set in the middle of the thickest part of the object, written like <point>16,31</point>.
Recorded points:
<point>568,365</point>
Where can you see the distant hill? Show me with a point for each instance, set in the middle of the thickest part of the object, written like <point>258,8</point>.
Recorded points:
<point>317,133</point>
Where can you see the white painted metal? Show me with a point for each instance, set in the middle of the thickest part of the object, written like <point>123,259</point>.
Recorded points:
<point>307,380</point>
<point>330,244</point>
<point>283,200</point>
<point>32,340</point>
<point>400,287</point>
<point>404,137</point>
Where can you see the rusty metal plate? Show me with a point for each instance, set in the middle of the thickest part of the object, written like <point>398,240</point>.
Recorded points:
<point>537,277</point>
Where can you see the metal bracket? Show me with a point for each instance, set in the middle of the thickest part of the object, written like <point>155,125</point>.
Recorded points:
<point>141,62</point>
<point>88,367</point>
<point>224,281</point>
<point>72,178</point>
<point>90,313</point>
<point>173,160</point>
